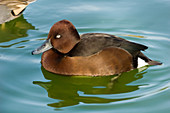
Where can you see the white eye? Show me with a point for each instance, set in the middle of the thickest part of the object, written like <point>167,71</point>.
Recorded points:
<point>58,36</point>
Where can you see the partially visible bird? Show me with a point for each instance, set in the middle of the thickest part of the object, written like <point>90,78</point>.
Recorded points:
<point>11,9</point>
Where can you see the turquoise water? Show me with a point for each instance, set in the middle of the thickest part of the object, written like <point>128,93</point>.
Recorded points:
<point>27,88</point>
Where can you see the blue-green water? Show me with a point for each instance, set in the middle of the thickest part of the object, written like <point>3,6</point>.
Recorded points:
<point>25,87</point>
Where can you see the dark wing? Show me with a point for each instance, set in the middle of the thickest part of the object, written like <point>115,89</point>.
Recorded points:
<point>94,42</point>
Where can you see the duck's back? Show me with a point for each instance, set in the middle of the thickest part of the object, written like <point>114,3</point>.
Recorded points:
<point>92,43</point>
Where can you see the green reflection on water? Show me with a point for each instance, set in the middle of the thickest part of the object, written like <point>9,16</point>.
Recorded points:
<point>14,29</point>
<point>68,88</point>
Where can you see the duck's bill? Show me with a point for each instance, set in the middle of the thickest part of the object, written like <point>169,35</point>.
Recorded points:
<point>44,47</point>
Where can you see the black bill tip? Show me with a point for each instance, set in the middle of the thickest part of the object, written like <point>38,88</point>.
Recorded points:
<point>32,52</point>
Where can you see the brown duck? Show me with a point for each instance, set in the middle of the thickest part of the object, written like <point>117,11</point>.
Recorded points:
<point>91,54</point>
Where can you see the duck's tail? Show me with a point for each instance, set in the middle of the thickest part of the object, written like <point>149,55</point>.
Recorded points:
<point>152,62</point>
<point>147,61</point>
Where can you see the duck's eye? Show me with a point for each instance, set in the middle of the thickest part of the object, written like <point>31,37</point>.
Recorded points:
<point>58,36</point>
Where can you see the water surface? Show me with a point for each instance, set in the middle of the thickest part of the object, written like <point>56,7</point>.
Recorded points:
<point>26,87</point>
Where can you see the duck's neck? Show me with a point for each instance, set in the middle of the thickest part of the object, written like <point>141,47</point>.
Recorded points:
<point>57,52</point>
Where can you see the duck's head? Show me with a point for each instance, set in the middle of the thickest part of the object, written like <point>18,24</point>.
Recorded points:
<point>62,37</point>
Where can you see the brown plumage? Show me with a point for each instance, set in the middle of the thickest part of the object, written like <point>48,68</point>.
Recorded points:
<point>105,62</point>
<point>91,54</point>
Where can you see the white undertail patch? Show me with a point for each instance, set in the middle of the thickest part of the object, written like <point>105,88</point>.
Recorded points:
<point>141,63</point>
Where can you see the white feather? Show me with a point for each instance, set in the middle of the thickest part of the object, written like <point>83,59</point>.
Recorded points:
<point>141,63</point>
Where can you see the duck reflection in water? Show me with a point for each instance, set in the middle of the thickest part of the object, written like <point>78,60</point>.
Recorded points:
<point>15,29</point>
<point>75,89</point>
